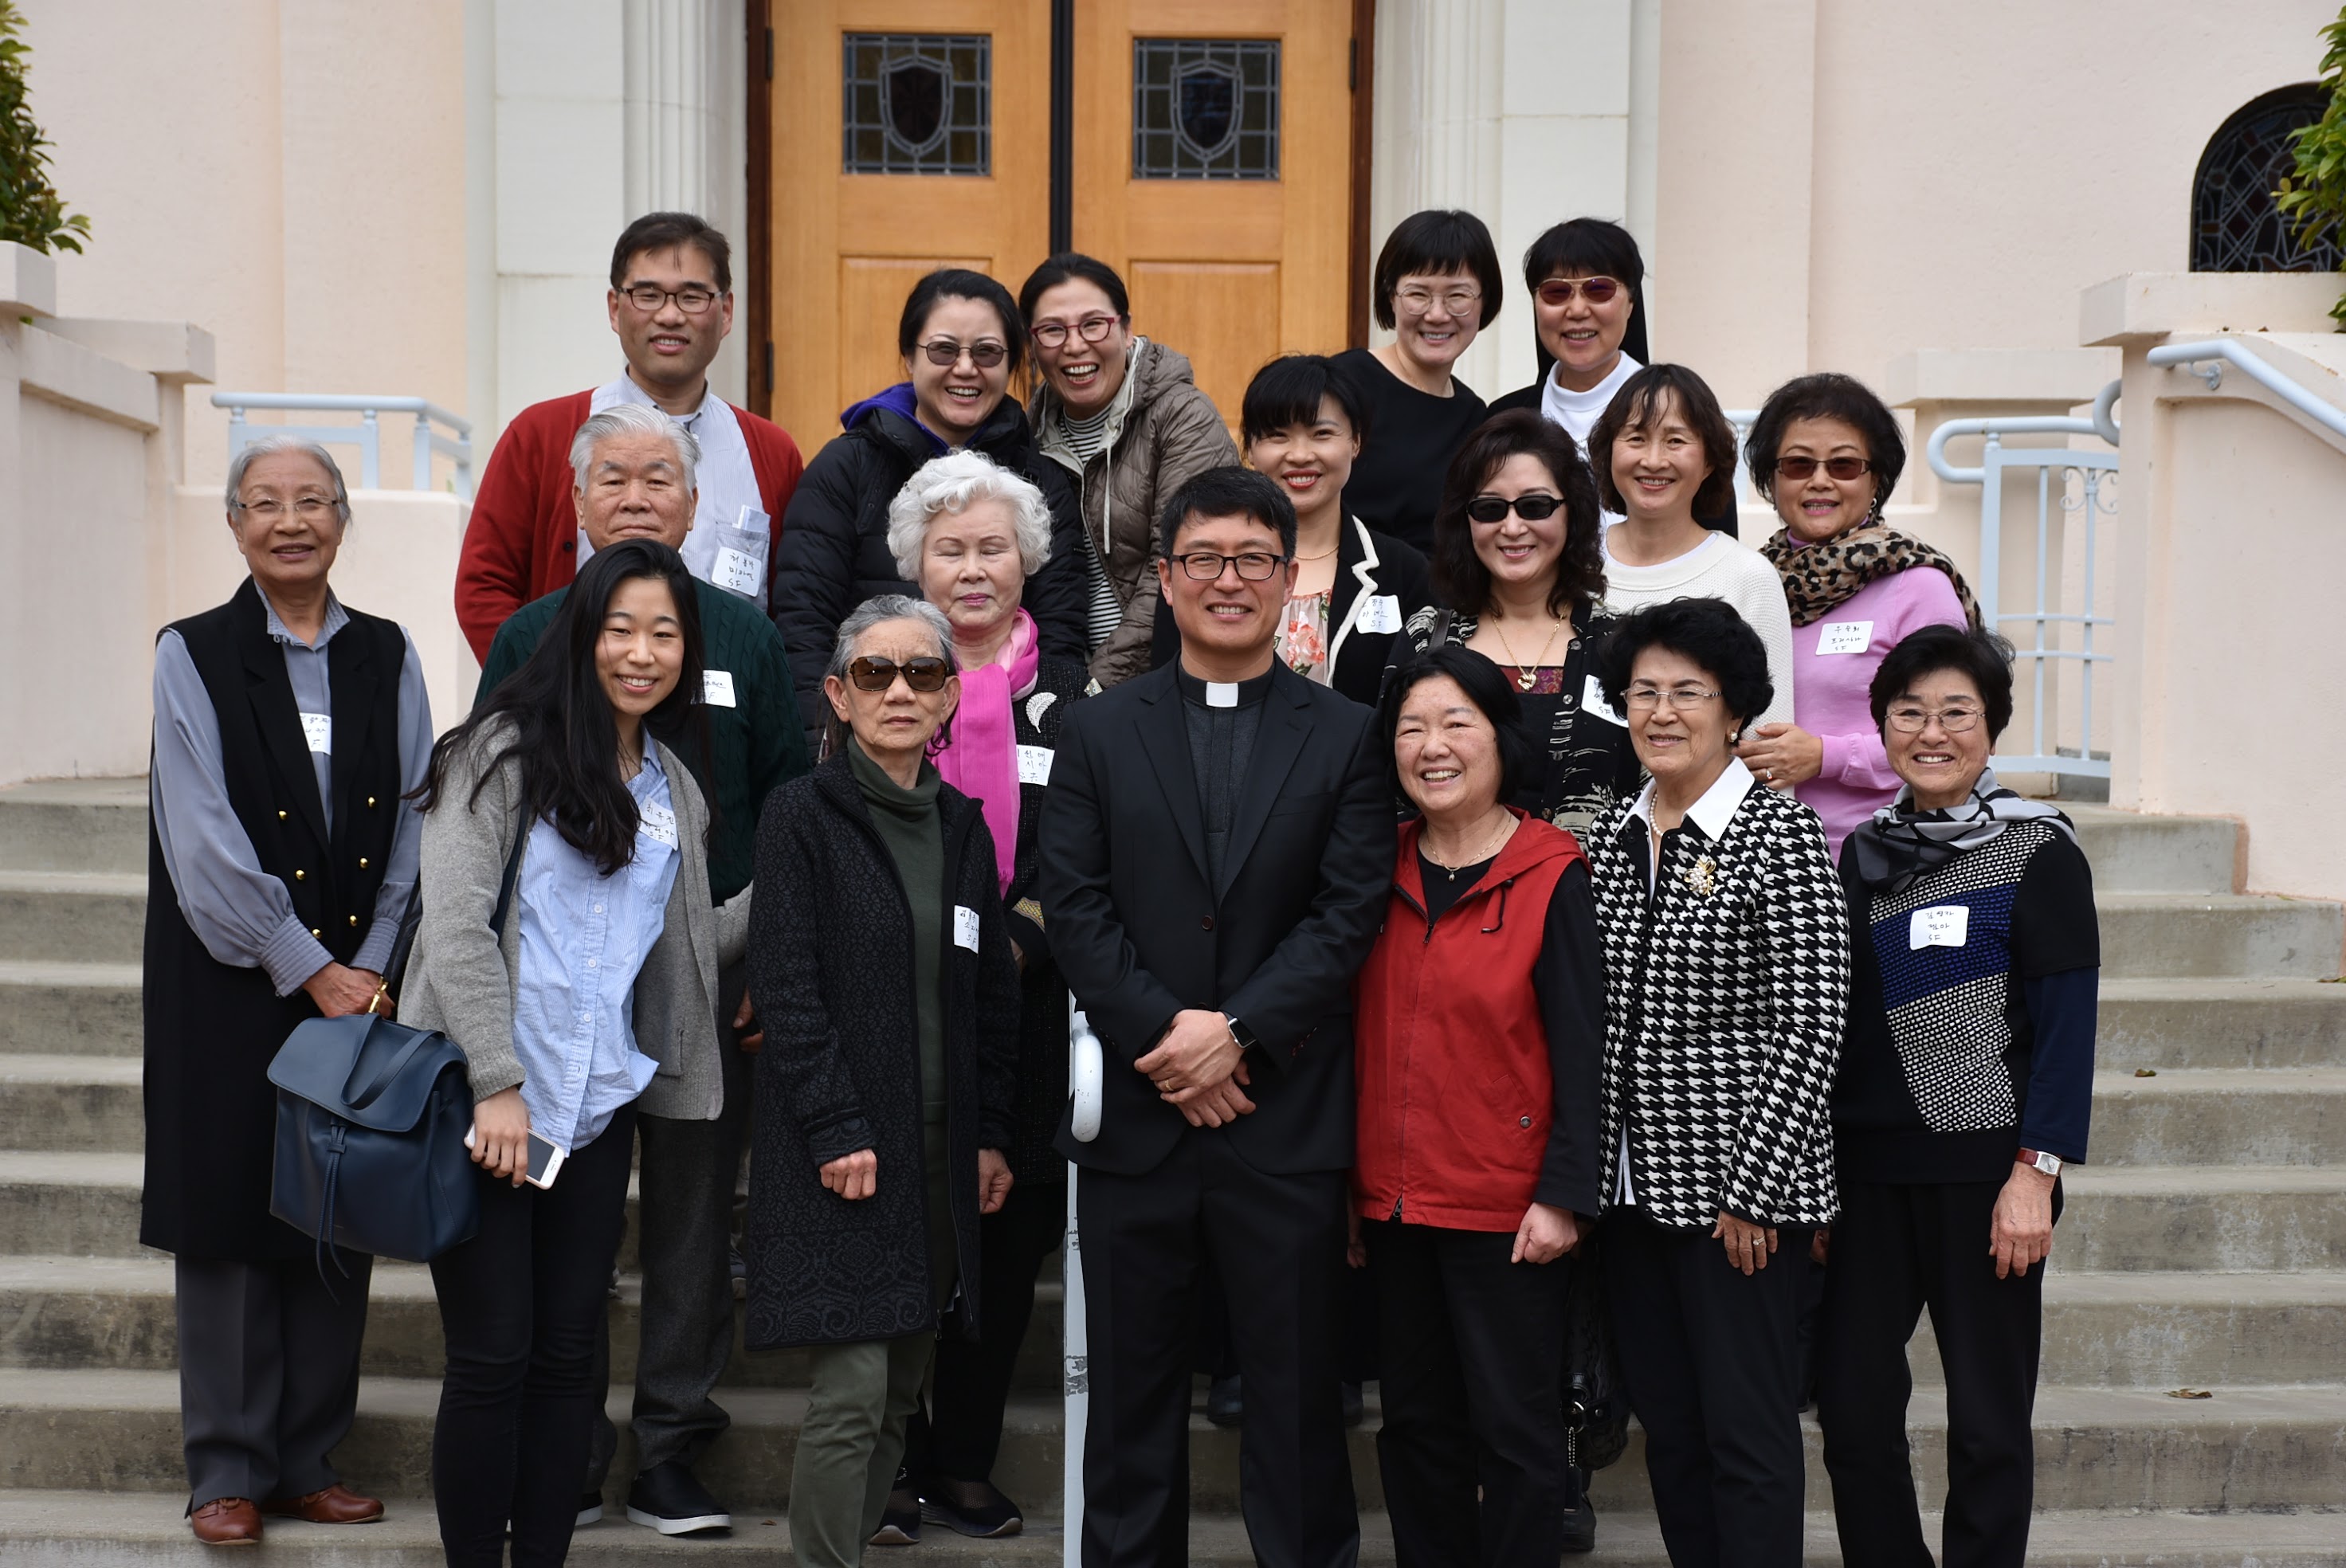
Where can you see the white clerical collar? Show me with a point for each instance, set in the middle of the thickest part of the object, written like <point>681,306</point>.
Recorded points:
<point>1221,694</point>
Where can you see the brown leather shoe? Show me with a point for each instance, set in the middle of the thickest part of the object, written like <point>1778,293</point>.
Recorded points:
<point>335,1505</point>
<point>227,1522</point>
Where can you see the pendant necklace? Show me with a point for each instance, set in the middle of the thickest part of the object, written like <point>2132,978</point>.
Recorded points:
<point>1526,675</point>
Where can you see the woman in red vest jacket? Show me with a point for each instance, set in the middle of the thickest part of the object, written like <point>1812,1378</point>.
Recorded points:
<point>1481,1034</point>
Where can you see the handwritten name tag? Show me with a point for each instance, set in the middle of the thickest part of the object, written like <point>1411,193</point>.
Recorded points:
<point>1592,700</point>
<point>658,822</point>
<point>717,688</point>
<point>1034,764</point>
<point>1379,613</point>
<point>1942,925</point>
<point>965,927</point>
<point>1844,636</point>
<point>736,572</point>
<point>318,729</point>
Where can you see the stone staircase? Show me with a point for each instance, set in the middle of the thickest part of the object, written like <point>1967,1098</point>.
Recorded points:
<point>2204,1248</point>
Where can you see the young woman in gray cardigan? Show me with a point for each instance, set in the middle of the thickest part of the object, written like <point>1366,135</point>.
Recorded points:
<point>593,993</point>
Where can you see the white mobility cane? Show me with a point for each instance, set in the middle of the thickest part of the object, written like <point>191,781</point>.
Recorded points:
<point>1085,1071</point>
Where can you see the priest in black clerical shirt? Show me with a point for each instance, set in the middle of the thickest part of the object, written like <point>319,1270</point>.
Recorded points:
<point>1216,849</point>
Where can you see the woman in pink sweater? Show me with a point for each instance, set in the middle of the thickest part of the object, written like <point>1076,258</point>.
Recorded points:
<point>1827,453</point>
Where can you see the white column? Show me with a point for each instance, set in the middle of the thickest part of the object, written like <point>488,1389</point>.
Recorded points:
<point>1520,111</point>
<point>686,141</point>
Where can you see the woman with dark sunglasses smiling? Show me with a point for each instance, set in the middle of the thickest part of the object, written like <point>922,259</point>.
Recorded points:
<point>1827,453</point>
<point>960,338</point>
<point>880,962</point>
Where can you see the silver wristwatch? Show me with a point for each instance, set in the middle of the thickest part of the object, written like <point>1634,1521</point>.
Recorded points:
<point>2038,1159</point>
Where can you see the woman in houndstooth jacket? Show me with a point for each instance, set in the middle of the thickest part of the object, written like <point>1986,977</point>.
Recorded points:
<point>1727,951</point>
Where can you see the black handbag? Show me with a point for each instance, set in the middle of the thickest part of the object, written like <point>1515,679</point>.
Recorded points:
<point>371,1121</point>
<point>1595,1409</point>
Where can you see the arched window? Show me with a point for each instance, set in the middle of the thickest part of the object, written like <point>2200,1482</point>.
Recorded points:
<point>2234,226</point>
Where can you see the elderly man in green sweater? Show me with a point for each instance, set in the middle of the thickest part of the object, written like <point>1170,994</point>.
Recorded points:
<point>634,473</point>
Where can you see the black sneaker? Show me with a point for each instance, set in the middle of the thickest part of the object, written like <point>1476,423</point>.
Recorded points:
<point>670,1499</point>
<point>590,1510</point>
<point>1225,1401</point>
<point>899,1522</point>
<point>996,1516</point>
<point>1580,1522</point>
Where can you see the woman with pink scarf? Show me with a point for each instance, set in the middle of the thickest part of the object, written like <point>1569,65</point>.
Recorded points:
<point>970,533</point>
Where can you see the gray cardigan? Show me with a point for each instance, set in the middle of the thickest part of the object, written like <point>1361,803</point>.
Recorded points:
<point>460,983</point>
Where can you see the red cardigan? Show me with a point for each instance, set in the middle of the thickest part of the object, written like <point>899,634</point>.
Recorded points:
<point>522,541</point>
<point>1457,1090</point>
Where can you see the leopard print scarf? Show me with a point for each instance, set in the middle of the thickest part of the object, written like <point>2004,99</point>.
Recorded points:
<point>1817,577</point>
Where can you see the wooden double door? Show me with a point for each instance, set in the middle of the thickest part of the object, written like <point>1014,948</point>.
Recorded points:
<point>1204,149</point>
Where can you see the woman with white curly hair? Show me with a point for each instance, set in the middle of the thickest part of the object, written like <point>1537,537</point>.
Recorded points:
<point>969,534</point>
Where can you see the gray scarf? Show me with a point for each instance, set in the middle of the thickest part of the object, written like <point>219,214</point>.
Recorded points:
<point>1899,845</point>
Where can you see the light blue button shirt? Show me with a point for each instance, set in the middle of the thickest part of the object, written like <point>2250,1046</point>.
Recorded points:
<point>584,939</point>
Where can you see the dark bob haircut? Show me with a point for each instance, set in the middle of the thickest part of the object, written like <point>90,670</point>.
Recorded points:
<point>1983,656</point>
<point>1484,686</point>
<point>1227,492</point>
<point>1460,578</point>
<point>1068,267</point>
<point>960,283</point>
<point>1590,246</point>
<point>1829,395</point>
<point>1435,241</point>
<point>666,231</point>
<point>1287,391</point>
<point>1708,631</point>
<point>1640,402</point>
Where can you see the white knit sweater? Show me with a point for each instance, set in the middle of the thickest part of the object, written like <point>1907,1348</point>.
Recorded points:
<point>1719,568</point>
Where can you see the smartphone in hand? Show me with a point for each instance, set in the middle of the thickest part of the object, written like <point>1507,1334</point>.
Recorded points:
<point>545,1159</point>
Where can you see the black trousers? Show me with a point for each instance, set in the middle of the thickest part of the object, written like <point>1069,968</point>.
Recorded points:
<point>1279,1244</point>
<point>961,1436</point>
<point>1711,1359</point>
<point>1896,1250</point>
<point>518,1304</point>
<point>269,1371</point>
<point>1473,1367</point>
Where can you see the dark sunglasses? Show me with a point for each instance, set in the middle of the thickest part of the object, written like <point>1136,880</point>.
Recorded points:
<point>1559,291</point>
<point>1532,508</point>
<point>945,351</point>
<point>1838,467</point>
<point>927,672</point>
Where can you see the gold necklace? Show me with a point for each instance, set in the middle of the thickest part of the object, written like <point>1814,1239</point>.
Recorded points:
<point>1507,829</point>
<point>1526,675</point>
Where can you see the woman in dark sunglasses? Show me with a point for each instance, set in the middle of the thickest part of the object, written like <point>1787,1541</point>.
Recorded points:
<point>1827,453</point>
<point>961,339</point>
<point>880,962</point>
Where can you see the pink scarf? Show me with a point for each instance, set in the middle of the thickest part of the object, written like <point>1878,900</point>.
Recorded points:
<point>982,760</point>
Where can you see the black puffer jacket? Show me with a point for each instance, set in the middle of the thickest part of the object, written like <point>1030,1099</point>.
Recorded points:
<point>831,971</point>
<point>834,549</point>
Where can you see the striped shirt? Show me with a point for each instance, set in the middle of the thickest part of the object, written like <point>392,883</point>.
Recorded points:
<point>1103,611</point>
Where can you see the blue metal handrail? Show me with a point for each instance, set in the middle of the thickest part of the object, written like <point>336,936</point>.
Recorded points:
<point>366,435</point>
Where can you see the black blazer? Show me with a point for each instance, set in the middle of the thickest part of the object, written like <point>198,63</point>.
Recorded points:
<point>1139,935</point>
<point>1369,565</point>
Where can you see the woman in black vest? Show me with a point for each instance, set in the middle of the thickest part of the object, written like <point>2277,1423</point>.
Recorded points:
<point>287,729</point>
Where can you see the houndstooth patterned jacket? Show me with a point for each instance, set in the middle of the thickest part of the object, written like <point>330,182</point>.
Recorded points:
<point>1724,995</point>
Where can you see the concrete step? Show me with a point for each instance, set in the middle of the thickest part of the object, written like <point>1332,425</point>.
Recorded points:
<point>72,917</point>
<point>133,1530</point>
<point>2235,1218</point>
<point>74,825</point>
<point>2135,852</point>
<point>115,1313</point>
<point>80,1103</point>
<point>2246,1116</point>
<point>82,1009</point>
<point>2101,1449</point>
<point>2178,935</point>
<point>2163,1023</point>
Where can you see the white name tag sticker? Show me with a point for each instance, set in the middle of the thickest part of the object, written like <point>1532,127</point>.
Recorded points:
<point>1845,637</point>
<point>1380,613</point>
<point>965,927</point>
<point>659,822</point>
<point>1592,700</point>
<point>736,572</point>
<point>1941,925</point>
<point>318,729</point>
<point>1034,764</point>
<point>717,688</point>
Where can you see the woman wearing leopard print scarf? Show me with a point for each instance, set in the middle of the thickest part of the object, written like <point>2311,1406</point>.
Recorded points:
<point>1827,452</point>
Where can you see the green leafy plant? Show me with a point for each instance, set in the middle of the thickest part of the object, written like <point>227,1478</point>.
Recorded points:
<point>31,211</point>
<point>2314,197</point>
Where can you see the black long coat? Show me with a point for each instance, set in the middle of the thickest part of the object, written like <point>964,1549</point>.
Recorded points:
<point>831,970</point>
<point>1059,683</point>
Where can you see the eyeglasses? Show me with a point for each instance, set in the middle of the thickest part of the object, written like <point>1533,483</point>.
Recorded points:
<point>692,298</point>
<point>1911,719</point>
<point>1648,695</point>
<point>309,508</point>
<point>1091,329</point>
<point>984,355</point>
<point>926,673</point>
<point>1254,565</point>
<point>1800,468</point>
<point>1532,508</point>
<point>1558,291</point>
<point>1416,301</point>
